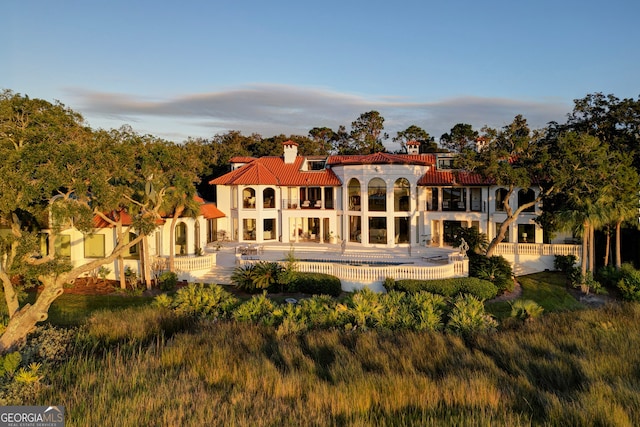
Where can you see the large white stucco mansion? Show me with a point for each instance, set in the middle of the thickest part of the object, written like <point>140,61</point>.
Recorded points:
<point>398,207</point>
<point>378,200</point>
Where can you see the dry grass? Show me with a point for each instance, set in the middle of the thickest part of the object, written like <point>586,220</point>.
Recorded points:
<point>577,368</point>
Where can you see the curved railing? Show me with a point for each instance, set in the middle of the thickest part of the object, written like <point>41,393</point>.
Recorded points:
<point>372,273</point>
<point>188,263</point>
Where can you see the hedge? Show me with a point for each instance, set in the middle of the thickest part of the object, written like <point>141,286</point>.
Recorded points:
<point>316,284</point>
<point>479,288</point>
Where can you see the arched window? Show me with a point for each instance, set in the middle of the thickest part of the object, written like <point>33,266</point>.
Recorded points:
<point>401,190</point>
<point>526,196</point>
<point>501,194</point>
<point>269,198</point>
<point>249,198</point>
<point>181,239</point>
<point>377,195</point>
<point>354,194</point>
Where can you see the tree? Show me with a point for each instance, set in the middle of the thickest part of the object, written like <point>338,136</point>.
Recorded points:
<point>416,133</point>
<point>616,125</point>
<point>366,133</point>
<point>580,172</point>
<point>342,143</point>
<point>514,157</point>
<point>620,198</point>
<point>56,173</point>
<point>324,138</point>
<point>461,137</point>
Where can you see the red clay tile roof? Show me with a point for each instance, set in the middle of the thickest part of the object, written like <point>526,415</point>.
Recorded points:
<point>207,209</point>
<point>210,211</point>
<point>274,171</point>
<point>241,159</point>
<point>382,159</point>
<point>99,222</point>
<point>440,177</point>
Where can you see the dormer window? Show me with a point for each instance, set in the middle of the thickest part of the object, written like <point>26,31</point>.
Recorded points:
<point>316,165</point>
<point>446,161</point>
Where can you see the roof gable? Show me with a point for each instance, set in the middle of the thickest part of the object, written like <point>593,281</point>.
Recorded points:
<point>274,171</point>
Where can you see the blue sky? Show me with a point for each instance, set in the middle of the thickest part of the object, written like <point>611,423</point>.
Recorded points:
<point>198,68</point>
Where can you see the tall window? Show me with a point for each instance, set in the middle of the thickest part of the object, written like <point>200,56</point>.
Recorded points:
<point>377,195</point>
<point>355,229</point>
<point>328,197</point>
<point>432,199</point>
<point>354,194</point>
<point>402,230</point>
<point>378,230</point>
<point>212,230</point>
<point>501,194</point>
<point>269,198</point>
<point>269,226</point>
<point>401,190</point>
<point>249,198</point>
<point>93,245</point>
<point>249,229</point>
<point>526,196</point>
<point>476,199</point>
<point>181,239</point>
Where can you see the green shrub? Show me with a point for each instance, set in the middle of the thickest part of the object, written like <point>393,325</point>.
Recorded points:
<point>316,284</point>
<point>609,276</point>
<point>365,309</point>
<point>266,275</point>
<point>168,281</point>
<point>9,363</point>
<point>258,309</point>
<point>495,269</point>
<point>469,318</point>
<point>198,300</point>
<point>629,283</point>
<point>322,311</point>
<point>427,310</point>
<point>242,278</point>
<point>291,320</point>
<point>397,312</point>
<point>564,263</point>
<point>49,344</point>
<point>482,289</point>
<point>526,310</point>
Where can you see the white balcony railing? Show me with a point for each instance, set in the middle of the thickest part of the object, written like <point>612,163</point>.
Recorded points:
<point>537,249</point>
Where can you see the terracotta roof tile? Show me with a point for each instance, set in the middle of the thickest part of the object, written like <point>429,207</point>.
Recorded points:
<point>241,159</point>
<point>210,211</point>
<point>274,171</point>
<point>382,159</point>
<point>440,177</point>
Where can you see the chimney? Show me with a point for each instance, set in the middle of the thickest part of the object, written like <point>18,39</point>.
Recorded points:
<point>413,147</point>
<point>290,151</point>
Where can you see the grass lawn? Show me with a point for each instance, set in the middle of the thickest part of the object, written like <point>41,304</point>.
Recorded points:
<point>73,310</point>
<point>548,289</point>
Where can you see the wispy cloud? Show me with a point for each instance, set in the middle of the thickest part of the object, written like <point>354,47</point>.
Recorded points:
<point>270,109</point>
